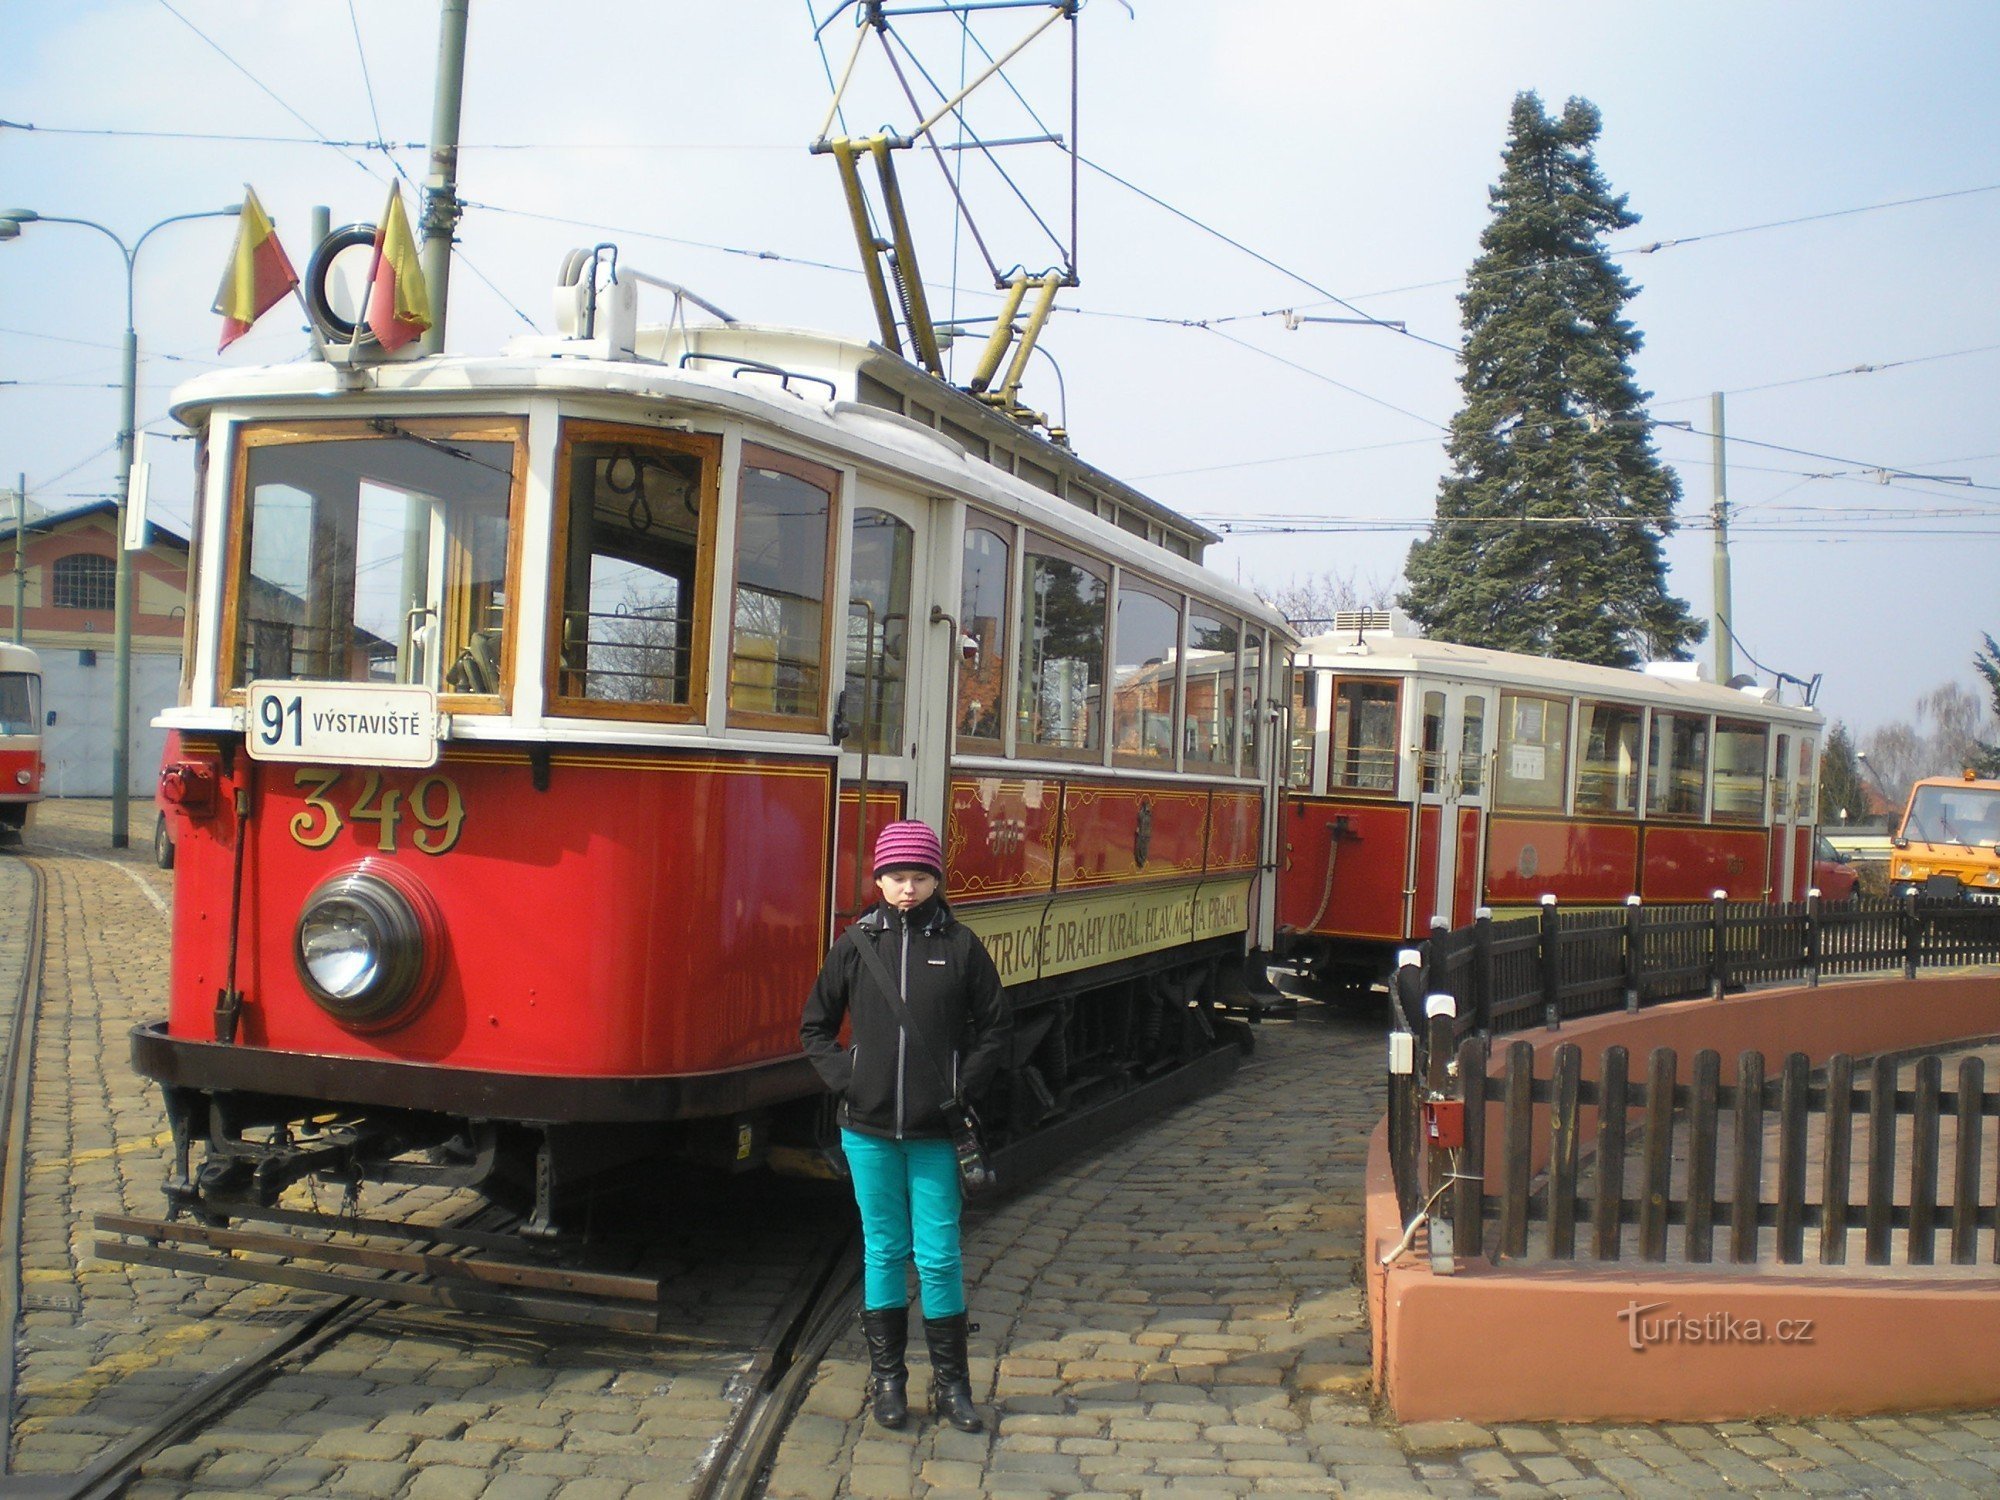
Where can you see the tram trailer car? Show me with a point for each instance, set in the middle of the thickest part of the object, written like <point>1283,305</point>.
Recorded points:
<point>541,710</point>
<point>1428,780</point>
<point>21,764</point>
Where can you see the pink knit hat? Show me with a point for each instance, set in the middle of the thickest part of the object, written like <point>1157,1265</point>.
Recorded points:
<point>909,846</point>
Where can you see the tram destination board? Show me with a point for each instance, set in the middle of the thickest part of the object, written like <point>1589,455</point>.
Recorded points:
<point>357,724</point>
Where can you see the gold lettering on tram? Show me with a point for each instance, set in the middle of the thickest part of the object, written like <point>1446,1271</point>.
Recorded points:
<point>435,804</point>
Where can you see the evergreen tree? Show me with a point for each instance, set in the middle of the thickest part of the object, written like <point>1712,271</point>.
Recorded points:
<point>1548,528</point>
<point>1986,758</point>
<point>1843,793</point>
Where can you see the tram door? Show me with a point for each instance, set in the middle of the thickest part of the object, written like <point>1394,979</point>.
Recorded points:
<point>886,705</point>
<point>1451,803</point>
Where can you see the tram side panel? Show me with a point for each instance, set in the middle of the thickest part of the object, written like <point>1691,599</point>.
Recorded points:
<point>643,915</point>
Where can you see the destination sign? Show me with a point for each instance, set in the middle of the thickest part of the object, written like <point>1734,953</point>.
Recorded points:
<point>356,724</point>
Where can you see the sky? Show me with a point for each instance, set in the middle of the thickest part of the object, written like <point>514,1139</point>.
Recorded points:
<point>1819,192</point>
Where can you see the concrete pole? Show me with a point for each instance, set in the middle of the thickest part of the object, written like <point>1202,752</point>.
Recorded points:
<point>121,683</point>
<point>1722,617</point>
<point>441,209</point>
<point>20,559</point>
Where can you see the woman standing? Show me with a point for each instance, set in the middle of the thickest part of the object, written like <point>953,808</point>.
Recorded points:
<point>907,1062</point>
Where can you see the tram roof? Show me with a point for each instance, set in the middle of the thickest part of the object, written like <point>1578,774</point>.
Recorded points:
<point>15,658</point>
<point>867,431</point>
<point>1399,652</point>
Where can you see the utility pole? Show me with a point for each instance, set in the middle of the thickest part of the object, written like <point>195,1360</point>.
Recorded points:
<point>20,558</point>
<point>441,206</point>
<point>1722,615</point>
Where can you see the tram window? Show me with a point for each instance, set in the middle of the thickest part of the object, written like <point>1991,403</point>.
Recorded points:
<point>1364,735</point>
<point>1803,793</point>
<point>1740,749</point>
<point>20,703</point>
<point>1299,762</point>
<point>1607,771</point>
<point>1063,609</point>
<point>1431,759</point>
<point>1142,679</point>
<point>1208,722</point>
<point>1253,702</point>
<point>982,618</point>
<point>1534,752</point>
<point>635,504</point>
<point>1781,779</point>
<point>1472,749</point>
<point>777,649</point>
<point>1677,765</point>
<point>878,636</point>
<point>374,554</point>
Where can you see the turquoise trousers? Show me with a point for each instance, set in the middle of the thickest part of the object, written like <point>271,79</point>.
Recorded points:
<point>908,1195</point>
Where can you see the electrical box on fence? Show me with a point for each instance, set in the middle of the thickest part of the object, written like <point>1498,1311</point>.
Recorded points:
<point>1444,1123</point>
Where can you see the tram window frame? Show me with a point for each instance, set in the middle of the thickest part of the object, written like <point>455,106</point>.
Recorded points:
<point>706,449</point>
<point>1092,751</point>
<point>1344,769</point>
<point>232,681</point>
<point>191,594</point>
<point>1227,710</point>
<point>828,481</point>
<point>1472,745</point>
<point>1625,786</point>
<point>879,726</point>
<point>1430,743</point>
<point>1805,790</point>
<point>1257,671</point>
<point>1748,803</point>
<point>1162,756</point>
<point>1302,744</point>
<point>994,666</point>
<point>1778,778</point>
<point>1540,723</point>
<point>1678,789</point>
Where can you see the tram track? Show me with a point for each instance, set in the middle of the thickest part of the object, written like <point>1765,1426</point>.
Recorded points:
<point>17,1071</point>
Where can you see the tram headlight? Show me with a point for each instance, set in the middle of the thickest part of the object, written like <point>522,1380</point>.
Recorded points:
<point>369,947</point>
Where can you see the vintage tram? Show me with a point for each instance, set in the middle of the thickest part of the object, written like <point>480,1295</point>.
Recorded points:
<point>1427,780</point>
<point>21,765</point>
<point>539,709</point>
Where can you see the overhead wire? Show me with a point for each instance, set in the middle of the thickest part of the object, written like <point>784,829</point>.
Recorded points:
<point>1404,411</point>
<point>266,89</point>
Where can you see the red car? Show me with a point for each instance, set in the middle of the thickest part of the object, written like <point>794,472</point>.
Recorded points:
<point>1832,873</point>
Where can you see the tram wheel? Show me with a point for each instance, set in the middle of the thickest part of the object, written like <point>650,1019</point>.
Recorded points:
<point>163,843</point>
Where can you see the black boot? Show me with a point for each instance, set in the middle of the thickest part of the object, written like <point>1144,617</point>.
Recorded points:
<point>888,1333</point>
<point>951,1389</point>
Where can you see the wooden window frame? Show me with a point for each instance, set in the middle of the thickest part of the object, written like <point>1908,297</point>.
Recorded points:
<point>1557,703</point>
<point>1202,766</point>
<point>1336,752</point>
<point>1761,816</point>
<point>1177,602</point>
<point>707,449</point>
<point>490,428</point>
<point>828,480</point>
<point>1579,760</point>
<point>1009,534</point>
<point>1035,543</point>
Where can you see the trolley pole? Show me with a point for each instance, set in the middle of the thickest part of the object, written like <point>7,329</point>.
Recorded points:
<point>1722,616</point>
<point>441,206</point>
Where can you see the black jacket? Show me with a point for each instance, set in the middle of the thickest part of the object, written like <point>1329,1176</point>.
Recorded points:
<point>952,991</point>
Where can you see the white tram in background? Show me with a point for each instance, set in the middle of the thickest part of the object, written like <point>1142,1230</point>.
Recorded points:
<point>541,708</point>
<point>1428,780</point>
<point>21,766</point>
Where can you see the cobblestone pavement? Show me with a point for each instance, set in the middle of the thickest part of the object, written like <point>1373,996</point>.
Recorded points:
<point>1179,1315</point>
<point>1182,1316</point>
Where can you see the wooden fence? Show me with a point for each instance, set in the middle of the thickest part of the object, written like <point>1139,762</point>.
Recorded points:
<point>1755,1169</point>
<point>1493,977</point>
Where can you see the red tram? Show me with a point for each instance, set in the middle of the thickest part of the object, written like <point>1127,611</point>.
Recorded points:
<point>1428,780</point>
<point>538,708</point>
<point>21,765</point>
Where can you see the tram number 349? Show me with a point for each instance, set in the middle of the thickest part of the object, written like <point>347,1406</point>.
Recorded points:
<point>434,804</point>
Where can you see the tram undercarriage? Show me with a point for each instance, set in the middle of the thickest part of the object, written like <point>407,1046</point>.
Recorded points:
<point>239,1147</point>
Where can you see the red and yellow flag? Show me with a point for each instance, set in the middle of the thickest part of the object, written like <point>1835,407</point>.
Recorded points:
<point>399,306</point>
<point>258,276</point>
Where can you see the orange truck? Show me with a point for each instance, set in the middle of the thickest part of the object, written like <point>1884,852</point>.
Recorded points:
<point>1948,844</point>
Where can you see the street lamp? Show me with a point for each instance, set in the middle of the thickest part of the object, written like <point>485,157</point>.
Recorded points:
<point>11,221</point>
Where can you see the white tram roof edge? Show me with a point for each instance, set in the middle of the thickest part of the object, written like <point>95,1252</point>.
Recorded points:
<point>15,658</point>
<point>864,433</point>
<point>1398,649</point>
